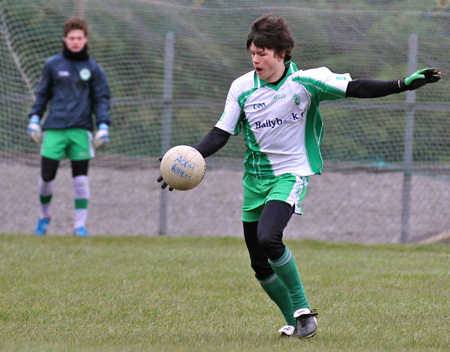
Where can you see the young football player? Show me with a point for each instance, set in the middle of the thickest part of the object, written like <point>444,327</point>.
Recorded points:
<point>276,106</point>
<point>75,86</point>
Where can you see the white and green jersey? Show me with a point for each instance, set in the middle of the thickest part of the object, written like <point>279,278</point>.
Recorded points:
<point>282,125</point>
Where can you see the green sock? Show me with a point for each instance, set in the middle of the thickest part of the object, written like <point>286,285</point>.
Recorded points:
<point>286,269</point>
<point>81,203</point>
<point>278,293</point>
<point>45,199</point>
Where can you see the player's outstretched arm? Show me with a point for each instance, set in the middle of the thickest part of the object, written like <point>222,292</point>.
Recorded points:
<point>371,88</point>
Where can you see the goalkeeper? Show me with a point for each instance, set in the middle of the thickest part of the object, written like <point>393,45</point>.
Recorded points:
<point>75,86</point>
<point>277,107</point>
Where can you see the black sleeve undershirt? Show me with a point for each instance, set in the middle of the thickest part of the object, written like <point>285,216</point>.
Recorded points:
<point>371,88</point>
<point>212,142</point>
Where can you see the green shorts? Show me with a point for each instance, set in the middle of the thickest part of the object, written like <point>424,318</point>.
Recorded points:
<point>288,188</point>
<point>73,143</point>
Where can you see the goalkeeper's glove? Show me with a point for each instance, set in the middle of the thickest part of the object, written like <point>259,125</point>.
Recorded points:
<point>420,78</point>
<point>34,129</point>
<point>163,184</point>
<point>101,139</point>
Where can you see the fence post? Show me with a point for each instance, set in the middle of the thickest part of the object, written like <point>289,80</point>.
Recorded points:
<point>409,140</point>
<point>167,121</point>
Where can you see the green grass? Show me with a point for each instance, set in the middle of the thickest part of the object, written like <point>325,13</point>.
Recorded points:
<point>59,293</point>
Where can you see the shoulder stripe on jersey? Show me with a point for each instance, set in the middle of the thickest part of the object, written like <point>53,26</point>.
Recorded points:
<point>242,98</point>
<point>330,91</point>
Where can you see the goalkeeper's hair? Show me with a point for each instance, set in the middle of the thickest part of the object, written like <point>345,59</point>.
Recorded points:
<point>272,32</point>
<point>75,23</point>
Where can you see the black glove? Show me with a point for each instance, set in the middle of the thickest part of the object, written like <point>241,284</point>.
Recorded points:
<point>422,77</point>
<point>164,184</point>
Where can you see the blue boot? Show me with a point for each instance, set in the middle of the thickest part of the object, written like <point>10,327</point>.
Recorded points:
<point>41,227</point>
<point>81,232</point>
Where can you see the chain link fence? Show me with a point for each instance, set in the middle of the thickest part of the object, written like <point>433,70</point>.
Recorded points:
<point>369,191</point>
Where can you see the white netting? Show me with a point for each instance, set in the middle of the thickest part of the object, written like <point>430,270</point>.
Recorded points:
<point>366,38</point>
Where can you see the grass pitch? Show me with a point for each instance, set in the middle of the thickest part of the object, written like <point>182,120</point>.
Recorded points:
<point>59,293</point>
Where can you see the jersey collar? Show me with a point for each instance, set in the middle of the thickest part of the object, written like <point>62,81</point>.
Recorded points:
<point>292,67</point>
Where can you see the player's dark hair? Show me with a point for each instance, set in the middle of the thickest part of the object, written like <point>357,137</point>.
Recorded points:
<point>271,33</point>
<point>75,23</point>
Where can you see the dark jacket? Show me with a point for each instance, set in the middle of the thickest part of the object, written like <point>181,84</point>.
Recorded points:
<point>75,89</point>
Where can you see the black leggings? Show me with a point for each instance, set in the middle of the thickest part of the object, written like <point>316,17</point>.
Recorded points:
<point>264,238</point>
<point>49,167</point>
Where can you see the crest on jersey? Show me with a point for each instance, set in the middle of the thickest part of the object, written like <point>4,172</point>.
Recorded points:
<point>85,74</point>
<point>296,99</point>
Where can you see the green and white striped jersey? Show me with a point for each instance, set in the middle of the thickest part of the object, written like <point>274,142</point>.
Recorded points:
<point>282,124</point>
